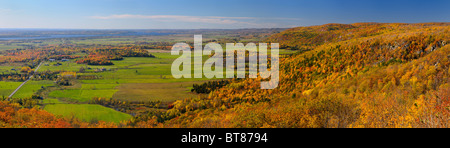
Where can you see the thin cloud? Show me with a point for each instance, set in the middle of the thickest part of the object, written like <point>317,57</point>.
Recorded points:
<point>197,19</point>
<point>201,19</point>
<point>246,22</point>
<point>4,10</point>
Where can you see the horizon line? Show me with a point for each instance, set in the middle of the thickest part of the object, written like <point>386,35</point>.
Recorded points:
<point>218,28</point>
<point>151,28</point>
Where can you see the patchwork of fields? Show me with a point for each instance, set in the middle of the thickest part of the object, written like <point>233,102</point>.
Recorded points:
<point>130,79</point>
<point>133,79</point>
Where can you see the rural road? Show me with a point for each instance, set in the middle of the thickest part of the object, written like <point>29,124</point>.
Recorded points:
<point>20,86</point>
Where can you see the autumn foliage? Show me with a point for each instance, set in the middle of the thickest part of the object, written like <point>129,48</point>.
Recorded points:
<point>95,60</point>
<point>363,75</point>
<point>345,75</point>
<point>103,56</point>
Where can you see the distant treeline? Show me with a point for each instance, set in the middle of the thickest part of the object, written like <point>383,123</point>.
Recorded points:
<point>103,56</point>
<point>210,86</point>
<point>125,106</point>
<point>20,77</point>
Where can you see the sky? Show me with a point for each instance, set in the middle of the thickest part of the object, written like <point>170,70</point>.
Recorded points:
<point>213,14</point>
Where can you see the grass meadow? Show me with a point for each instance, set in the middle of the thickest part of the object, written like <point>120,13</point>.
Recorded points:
<point>87,112</point>
<point>31,87</point>
<point>6,88</point>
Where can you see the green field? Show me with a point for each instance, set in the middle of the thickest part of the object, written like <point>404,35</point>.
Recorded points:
<point>86,92</point>
<point>7,69</point>
<point>80,95</point>
<point>87,112</point>
<point>6,47</point>
<point>66,66</point>
<point>31,87</point>
<point>166,92</point>
<point>6,88</point>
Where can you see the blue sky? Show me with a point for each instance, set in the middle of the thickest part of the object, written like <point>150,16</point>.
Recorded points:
<point>227,14</point>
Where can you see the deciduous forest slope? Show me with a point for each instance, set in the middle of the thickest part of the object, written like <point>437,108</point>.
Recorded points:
<point>345,75</point>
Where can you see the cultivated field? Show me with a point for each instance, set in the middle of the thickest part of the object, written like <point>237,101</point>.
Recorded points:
<point>132,80</point>
<point>87,112</point>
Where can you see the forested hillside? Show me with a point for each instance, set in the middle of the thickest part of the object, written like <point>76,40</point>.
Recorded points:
<point>355,75</point>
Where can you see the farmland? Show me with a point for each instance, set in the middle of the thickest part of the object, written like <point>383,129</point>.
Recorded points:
<point>132,79</point>
<point>373,75</point>
<point>143,84</point>
<point>6,88</point>
<point>87,112</point>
